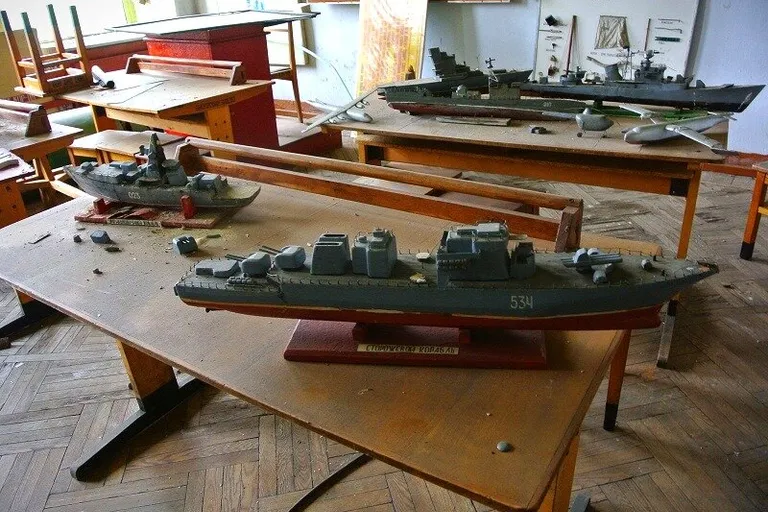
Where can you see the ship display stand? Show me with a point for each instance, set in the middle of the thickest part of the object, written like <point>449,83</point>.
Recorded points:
<point>185,216</point>
<point>416,345</point>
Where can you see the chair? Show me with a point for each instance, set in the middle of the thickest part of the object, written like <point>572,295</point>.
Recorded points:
<point>288,72</point>
<point>53,73</point>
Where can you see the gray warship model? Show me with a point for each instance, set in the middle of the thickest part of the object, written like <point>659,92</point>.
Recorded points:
<point>160,182</point>
<point>503,101</point>
<point>472,280</point>
<point>649,87</point>
<point>451,75</point>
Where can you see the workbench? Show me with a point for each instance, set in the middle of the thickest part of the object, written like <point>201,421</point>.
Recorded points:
<point>189,104</point>
<point>442,424</point>
<point>673,168</point>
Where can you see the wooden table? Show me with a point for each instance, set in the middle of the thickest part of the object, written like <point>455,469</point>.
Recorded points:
<point>236,36</point>
<point>673,168</point>
<point>194,105</point>
<point>439,423</point>
<point>36,149</point>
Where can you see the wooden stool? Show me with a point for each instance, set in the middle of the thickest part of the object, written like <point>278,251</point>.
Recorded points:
<point>757,208</point>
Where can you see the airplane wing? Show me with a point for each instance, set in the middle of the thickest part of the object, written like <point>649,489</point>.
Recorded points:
<point>695,136</point>
<point>644,113</point>
<point>341,110</point>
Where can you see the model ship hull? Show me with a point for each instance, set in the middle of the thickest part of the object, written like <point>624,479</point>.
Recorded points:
<point>447,84</point>
<point>734,98</point>
<point>554,299</point>
<point>164,195</point>
<point>524,109</point>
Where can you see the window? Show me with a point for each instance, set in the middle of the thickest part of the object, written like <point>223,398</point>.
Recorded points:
<point>94,17</point>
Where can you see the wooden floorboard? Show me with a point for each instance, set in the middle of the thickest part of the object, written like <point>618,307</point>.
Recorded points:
<point>693,436</point>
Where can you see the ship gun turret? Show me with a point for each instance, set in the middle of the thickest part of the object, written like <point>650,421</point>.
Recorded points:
<point>593,260</point>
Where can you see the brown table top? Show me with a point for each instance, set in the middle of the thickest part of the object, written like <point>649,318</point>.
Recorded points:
<point>439,423</point>
<point>124,142</point>
<point>562,136</point>
<point>166,95</point>
<point>13,139</point>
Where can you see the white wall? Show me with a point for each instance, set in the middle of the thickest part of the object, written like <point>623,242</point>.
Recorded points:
<point>730,45</point>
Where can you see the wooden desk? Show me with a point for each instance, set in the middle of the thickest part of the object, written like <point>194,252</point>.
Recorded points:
<point>238,36</point>
<point>194,105</point>
<point>35,149</point>
<point>672,168</point>
<point>441,424</point>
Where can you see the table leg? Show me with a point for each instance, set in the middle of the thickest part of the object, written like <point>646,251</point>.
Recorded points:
<point>368,154</point>
<point>668,329</point>
<point>12,207</point>
<point>615,381</point>
<point>157,392</point>
<point>219,124</point>
<point>43,168</point>
<point>32,312</point>
<point>313,494</point>
<point>688,214</point>
<point>753,216</point>
<point>558,496</point>
<point>100,119</point>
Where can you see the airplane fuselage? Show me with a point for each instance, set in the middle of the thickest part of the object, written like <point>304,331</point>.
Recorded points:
<point>661,131</point>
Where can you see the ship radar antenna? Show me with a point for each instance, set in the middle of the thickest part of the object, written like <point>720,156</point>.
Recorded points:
<point>489,62</point>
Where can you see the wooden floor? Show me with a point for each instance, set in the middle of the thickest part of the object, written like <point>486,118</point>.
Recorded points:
<point>691,437</point>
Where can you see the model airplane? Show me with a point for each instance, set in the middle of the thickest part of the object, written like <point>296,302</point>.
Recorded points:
<point>351,111</point>
<point>689,128</point>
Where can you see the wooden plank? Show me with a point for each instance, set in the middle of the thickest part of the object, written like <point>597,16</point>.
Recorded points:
<point>566,169</point>
<point>192,125</point>
<point>231,70</point>
<point>267,457</point>
<point>532,225</point>
<point>421,179</point>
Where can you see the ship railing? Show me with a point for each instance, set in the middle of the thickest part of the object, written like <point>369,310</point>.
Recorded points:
<point>610,250</point>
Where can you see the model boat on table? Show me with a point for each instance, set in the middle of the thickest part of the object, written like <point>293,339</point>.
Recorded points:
<point>649,86</point>
<point>451,75</point>
<point>472,280</point>
<point>502,101</point>
<point>160,182</point>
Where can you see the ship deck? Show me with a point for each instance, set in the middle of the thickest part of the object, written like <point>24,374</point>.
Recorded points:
<point>550,273</point>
